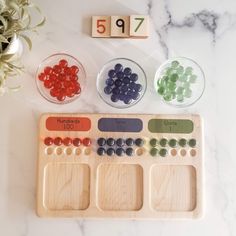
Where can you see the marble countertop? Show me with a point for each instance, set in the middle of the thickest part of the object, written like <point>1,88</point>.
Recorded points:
<point>202,30</point>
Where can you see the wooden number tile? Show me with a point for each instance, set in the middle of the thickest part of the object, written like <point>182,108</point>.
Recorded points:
<point>139,26</point>
<point>101,26</point>
<point>120,26</point>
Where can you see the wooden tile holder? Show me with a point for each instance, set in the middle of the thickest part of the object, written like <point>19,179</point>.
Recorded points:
<point>76,182</point>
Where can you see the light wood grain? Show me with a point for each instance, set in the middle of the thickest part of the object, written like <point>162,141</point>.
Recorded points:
<point>117,31</point>
<point>83,184</point>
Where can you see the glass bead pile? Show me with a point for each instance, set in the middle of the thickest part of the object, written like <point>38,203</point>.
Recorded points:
<point>176,82</point>
<point>122,85</point>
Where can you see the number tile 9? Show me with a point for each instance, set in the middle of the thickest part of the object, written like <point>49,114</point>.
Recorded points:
<point>120,26</point>
<point>101,26</point>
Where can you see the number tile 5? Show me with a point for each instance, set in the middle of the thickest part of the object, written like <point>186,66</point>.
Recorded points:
<point>120,26</point>
<point>139,26</point>
<point>101,26</point>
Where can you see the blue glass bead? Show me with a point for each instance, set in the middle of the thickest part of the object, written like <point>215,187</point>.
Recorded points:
<point>124,88</point>
<point>110,82</point>
<point>122,96</point>
<point>115,90</point>
<point>135,96</point>
<point>127,71</point>
<point>110,151</point>
<point>132,85</point>
<point>111,73</point>
<point>130,93</point>
<point>118,82</point>
<point>120,151</point>
<point>120,75</point>
<point>114,98</point>
<point>138,87</point>
<point>118,67</point>
<point>134,77</point>
<point>126,80</point>
<point>127,99</point>
<point>108,90</point>
<point>120,142</point>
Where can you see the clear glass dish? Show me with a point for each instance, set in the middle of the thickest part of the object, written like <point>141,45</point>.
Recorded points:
<point>52,61</point>
<point>180,82</point>
<point>130,89</point>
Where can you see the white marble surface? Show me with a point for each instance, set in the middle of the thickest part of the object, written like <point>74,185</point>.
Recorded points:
<point>204,30</point>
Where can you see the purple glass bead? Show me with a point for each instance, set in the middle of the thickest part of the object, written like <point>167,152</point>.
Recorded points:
<point>108,90</point>
<point>134,77</point>
<point>138,87</point>
<point>126,80</point>
<point>127,71</point>
<point>111,73</point>
<point>122,96</point>
<point>118,82</point>
<point>132,85</point>
<point>135,96</point>
<point>110,82</point>
<point>127,99</point>
<point>120,75</point>
<point>118,67</point>
<point>115,90</point>
<point>114,98</point>
<point>124,88</point>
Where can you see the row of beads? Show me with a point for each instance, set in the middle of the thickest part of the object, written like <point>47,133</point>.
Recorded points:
<point>173,142</point>
<point>68,151</point>
<point>58,141</point>
<point>173,152</point>
<point>120,142</point>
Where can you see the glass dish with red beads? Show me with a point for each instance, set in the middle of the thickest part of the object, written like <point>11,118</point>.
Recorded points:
<point>60,78</point>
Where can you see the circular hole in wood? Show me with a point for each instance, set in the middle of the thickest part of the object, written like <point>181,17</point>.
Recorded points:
<point>87,151</point>
<point>59,151</point>
<point>193,152</point>
<point>173,152</point>
<point>183,152</point>
<point>139,151</point>
<point>77,151</point>
<point>68,151</point>
<point>49,151</point>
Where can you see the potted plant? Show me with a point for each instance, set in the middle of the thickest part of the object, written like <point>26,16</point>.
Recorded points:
<point>15,22</point>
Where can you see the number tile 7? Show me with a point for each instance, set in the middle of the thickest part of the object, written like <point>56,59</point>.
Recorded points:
<point>139,26</point>
<point>101,26</point>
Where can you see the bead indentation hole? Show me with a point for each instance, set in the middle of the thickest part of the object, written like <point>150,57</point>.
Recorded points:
<point>49,150</point>
<point>140,151</point>
<point>58,151</point>
<point>68,151</point>
<point>183,152</point>
<point>77,151</point>
<point>173,152</point>
<point>87,151</point>
<point>193,152</point>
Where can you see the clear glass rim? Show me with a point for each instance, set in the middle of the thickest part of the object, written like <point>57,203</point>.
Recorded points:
<point>161,68</point>
<point>45,60</point>
<point>126,59</point>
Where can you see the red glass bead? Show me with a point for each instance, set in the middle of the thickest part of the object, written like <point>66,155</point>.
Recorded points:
<point>77,90</point>
<point>48,141</point>
<point>56,69</point>
<point>86,142</point>
<point>70,92</point>
<point>74,77</point>
<point>77,142</point>
<point>52,77</point>
<point>58,141</point>
<point>63,63</point>
<point>42,77</point>
<point>48,84</point>
<point>74,69</point>
<point>61,97</point>
<point>67,84</point>
<point>48,70</point>
<point>67,70</point>
<point>67,141</point>
<point>54,92</point>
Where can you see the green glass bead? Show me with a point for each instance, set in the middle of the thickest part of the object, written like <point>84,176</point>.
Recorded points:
<point>174,77</point>
<point>180,70</point>
<point>180,90</point>
<point>153,142</point>
<point>186,85</point>
<point>189,70</point>
<point>192,78</point>
<point>182,142</point>
<point>172,142</point>
<point>163,142</point>
<point>192,142</point>
<point>174,64</point>
<point>171,86</point>
<point>167,97</point>
<point>161,90</point>
<point>180,98</point>
<point>183,78</point>
<point>188,93</point>
<point>163,152</point>
<point>153,152</point>
<point>169,71</point>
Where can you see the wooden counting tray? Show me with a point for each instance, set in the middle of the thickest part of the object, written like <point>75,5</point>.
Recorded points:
<point>162,179</point>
